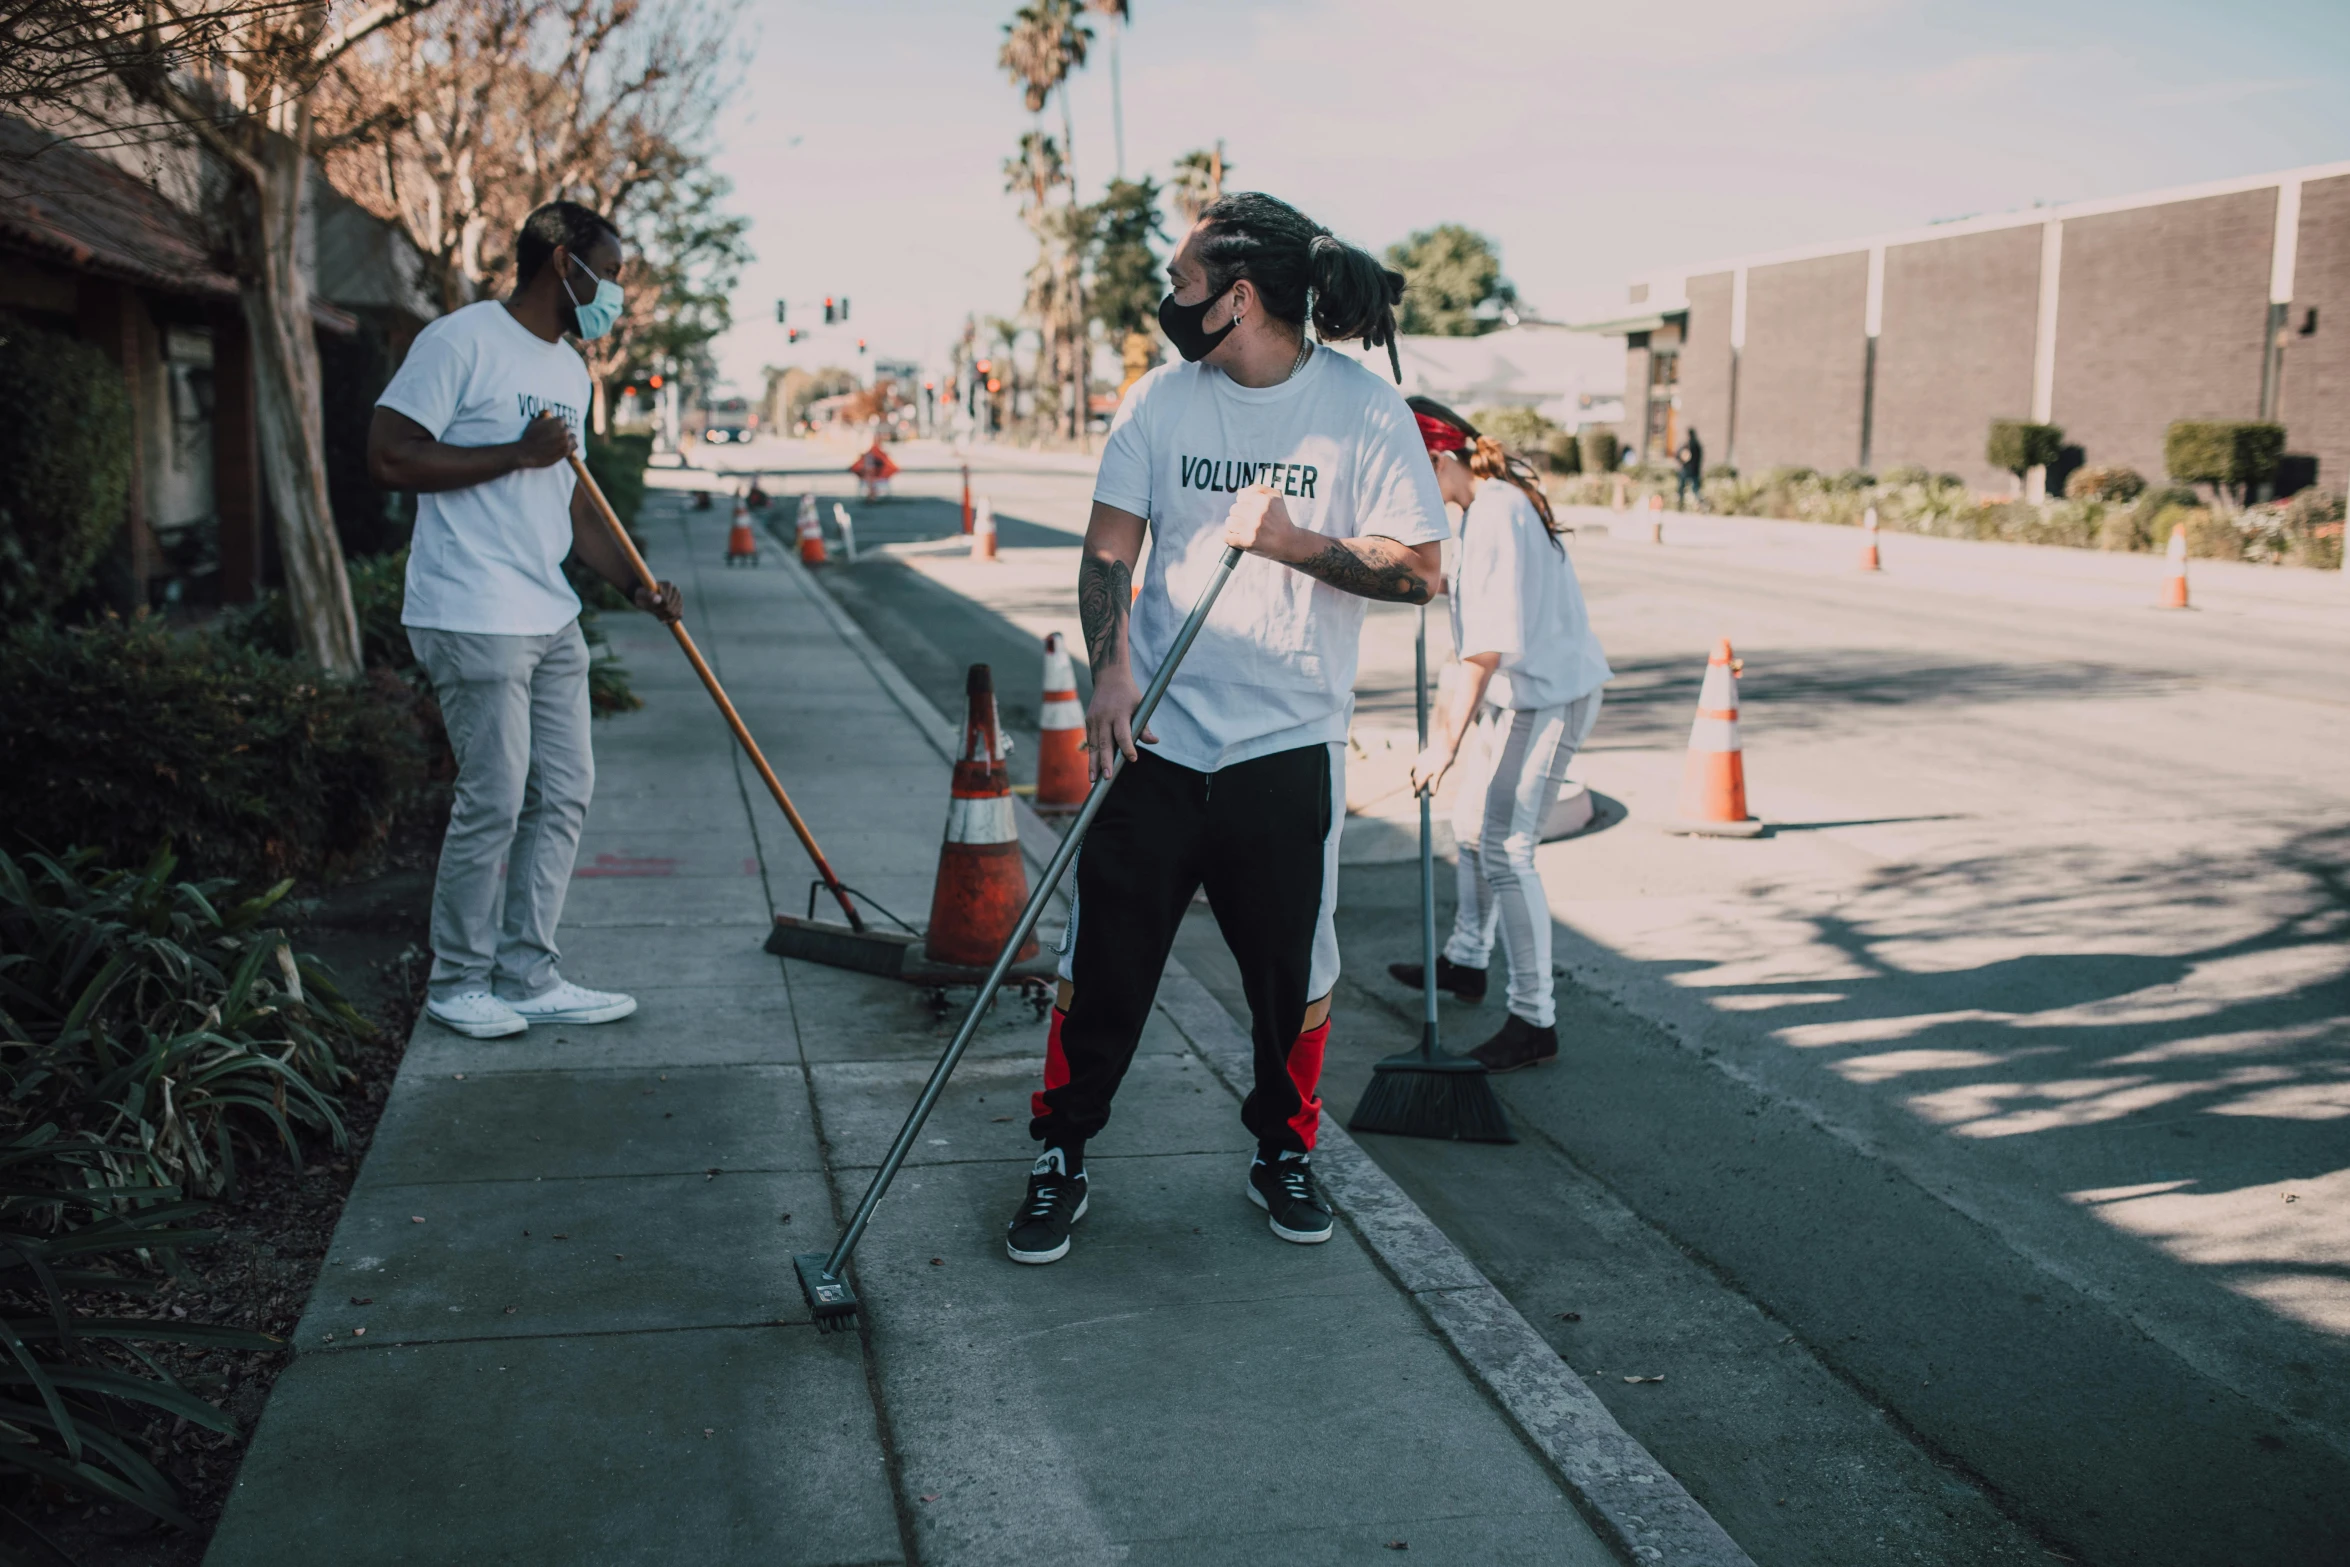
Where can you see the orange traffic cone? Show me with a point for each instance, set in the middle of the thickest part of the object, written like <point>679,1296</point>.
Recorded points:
<point>742,548</point>
<point>966,497</point>
<point>1713,786</point>
<point>982,886</point>
<point>2174,590</point>
<point>1868,548</point>
<point>983,531</point>
<point>811,533</point>
<point>1061,782</point>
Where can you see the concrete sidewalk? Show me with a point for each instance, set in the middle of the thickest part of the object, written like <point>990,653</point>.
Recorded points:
<point>558,1323</point>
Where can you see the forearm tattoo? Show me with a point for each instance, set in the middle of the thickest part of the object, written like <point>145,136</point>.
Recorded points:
<point>1104,590</point>
<point>1369,568</point>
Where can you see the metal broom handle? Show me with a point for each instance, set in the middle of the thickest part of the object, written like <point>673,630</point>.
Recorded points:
<point>1427,852</point>
<point>1028,918</point>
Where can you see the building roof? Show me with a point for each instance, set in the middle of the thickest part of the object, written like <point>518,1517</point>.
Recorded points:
<point>70,205</point>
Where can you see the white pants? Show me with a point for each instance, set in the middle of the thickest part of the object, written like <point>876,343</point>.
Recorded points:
<point>1512,765</point>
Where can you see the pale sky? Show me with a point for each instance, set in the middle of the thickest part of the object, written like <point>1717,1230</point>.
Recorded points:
<point>1591,142</point>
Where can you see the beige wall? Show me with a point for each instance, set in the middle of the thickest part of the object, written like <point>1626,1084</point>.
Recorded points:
<point>2161,314</point>
<point>1954,350</point>
<point>1799,379</point>
<point>2313,401</point>
<point>1705,365</point>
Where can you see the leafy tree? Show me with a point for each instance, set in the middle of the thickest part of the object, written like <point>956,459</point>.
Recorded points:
<point>2016,445</point>
<point>1453,285</point>
<point>1199,181</point>
<point>1126,284</point>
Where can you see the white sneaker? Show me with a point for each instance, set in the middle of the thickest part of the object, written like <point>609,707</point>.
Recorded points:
<point>476,1014</point>
<point>569,1003</point>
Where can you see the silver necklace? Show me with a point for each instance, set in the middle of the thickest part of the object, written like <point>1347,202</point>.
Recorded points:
<point>1305,350</point>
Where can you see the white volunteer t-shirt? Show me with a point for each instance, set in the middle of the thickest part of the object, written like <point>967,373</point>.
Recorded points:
<point>1514,593</point>
<point>1274,667</point>
<point>489,558</point>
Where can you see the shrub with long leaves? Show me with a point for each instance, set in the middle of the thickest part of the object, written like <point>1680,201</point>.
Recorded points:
<point>75,1388</point>
<point>167,1027</point>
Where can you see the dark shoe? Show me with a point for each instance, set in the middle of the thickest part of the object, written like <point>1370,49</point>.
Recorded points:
<point>1291,1197</point>
<point>1039,1229</point>
<point>1519,1044</point>
<point>1463,981</point>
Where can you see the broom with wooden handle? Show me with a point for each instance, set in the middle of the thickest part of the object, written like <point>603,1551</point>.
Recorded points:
<point>717,692</point>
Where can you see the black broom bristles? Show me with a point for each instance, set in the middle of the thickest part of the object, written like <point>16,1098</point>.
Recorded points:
<point>1424,1093</point>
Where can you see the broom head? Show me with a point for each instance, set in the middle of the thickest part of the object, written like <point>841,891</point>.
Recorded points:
<point>1424,1093</point>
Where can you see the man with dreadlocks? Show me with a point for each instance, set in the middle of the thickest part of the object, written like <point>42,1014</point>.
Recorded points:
<point>1532,694</point>
<point>1260,440</point>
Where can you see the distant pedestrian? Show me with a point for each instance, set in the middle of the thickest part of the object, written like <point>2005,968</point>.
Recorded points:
<point>1692,482</point>
<point>1534,676</point>
<point>479,423</point>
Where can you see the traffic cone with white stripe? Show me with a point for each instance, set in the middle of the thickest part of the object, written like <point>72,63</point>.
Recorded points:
<point>1656,519</point>
<point>742,547</point>
<point>811,533</point>
<point>1713,784</point>
<point>1868,549</point>
<point>982,885</point>
<point>983,531</point>
<point>2174,587</point>
<point>1061,781</point>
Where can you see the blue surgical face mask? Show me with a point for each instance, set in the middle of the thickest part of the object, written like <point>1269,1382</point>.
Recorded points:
<point>597,315</point>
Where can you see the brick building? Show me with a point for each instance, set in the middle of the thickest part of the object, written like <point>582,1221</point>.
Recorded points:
<point>2110,319</point>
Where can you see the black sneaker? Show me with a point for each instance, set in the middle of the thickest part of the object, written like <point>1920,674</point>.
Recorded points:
<point>1291,1197</point>
<point>1039,1228</point>
<point>1519,1044</point>
<point>1465,982</point>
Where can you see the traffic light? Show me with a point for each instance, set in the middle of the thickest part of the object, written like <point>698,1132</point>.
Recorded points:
<point>779,312</point>
<point>791,334</point>
<point>656,383</point>
<point>829,316</point>
<point>844,307</point>
<point>860,345</point>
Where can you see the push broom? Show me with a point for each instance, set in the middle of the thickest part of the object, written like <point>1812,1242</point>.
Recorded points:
<point>856,936</point>
<point>824,1276</point>
<point>1429,1092</point>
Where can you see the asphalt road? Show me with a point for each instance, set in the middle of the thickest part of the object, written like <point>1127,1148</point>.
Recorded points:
<point>1971,1155</point>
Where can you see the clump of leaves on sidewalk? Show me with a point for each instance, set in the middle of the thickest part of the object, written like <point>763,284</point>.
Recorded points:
<point>154,1035</point>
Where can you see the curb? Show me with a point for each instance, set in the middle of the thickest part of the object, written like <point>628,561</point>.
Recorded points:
<point>1633,1502</point>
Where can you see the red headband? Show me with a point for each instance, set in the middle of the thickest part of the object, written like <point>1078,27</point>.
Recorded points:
<point>1439,436</point>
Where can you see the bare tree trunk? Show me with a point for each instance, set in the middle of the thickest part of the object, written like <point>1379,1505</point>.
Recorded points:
<point>286,383</point>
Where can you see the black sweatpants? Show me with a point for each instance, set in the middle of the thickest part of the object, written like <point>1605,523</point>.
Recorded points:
<point>1252,834</point>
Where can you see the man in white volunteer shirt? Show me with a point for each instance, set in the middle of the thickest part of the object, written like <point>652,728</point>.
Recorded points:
<point>479,422</point>
<point>1303,458</point>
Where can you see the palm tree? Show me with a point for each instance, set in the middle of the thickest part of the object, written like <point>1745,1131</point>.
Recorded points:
<point>1043,43</point>
<point>1033,175</point>
<point>1121,16</point>
<point>1199,181</point>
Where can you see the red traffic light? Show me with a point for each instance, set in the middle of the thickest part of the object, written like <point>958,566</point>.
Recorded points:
<point>628,391</point>
<point>655,383</point>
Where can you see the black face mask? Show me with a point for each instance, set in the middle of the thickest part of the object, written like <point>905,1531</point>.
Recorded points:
<point>1181,323</point>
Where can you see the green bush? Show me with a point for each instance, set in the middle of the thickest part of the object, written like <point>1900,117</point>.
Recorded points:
<point>123,737</point>
<point>2104,484</point>
<point>78,1389</point>
<point>1601,451</point>
<point>2221,453</point>
<point>2016,445</point>
<point>1906,473</point>
<point>1519,429</point>
<point>1853,480</point>
<point>378,589</point>
<point>1564,451</point>
<point>172,1026</point>
<point>618,462</point>
<point>65,465</point>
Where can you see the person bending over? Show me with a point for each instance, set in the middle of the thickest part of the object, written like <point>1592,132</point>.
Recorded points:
<point>479,422</point>
<point>1261,440</point>
<point>1534,676</point>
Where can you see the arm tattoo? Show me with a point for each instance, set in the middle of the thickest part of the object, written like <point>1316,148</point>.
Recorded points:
<point>1369,568</point>
<point>1104,590</point>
